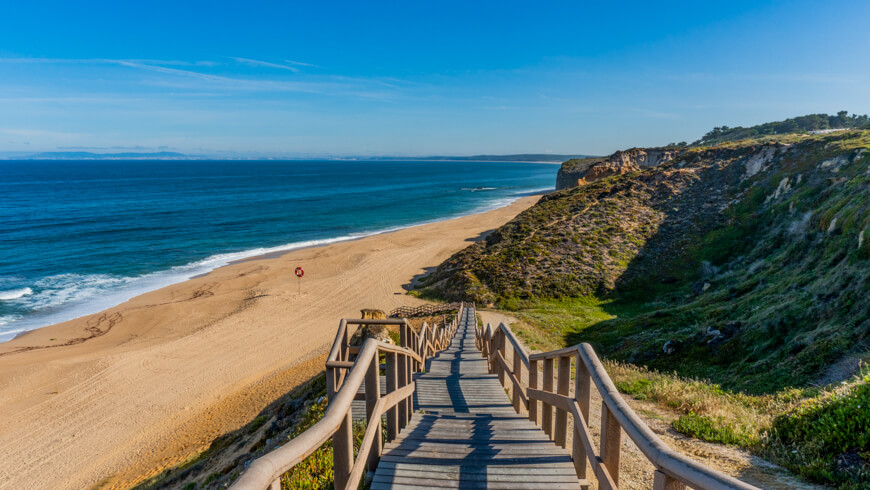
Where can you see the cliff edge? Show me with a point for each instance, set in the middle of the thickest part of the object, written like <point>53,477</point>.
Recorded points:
<point>583,171</point>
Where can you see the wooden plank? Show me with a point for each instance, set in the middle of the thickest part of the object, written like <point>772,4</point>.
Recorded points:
<point>415,484</point>
<point>611,437</point>
<point>564,381</point>
<point>472,433</point>
<point>662,481</point>
<point>547,409</point>
<point>582,394</point>
<point>517,469</point>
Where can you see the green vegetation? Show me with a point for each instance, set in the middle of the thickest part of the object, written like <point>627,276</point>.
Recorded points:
<point>316,471</point>
<point>228,455</point>
<point>580,163</point>
<point>811,122</point>
<point>714,429</point>
<point>830,434</point>
<point>749,260</point>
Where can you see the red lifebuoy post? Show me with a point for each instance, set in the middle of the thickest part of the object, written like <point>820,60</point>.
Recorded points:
<point>299,273</point>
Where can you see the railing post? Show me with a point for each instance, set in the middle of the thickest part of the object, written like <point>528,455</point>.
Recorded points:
<point>493,349</point>
<point>409,401</point>
<point>373,394</point>
<point>392,412</point>
<point>342,447</point>
<point>547,415</point>
<point>330,383</point>
<point>563,384</point>
<point>503,352</point>
<point>343,355</point>
<point>662,481</point>
<point>533,384</point>
<point>402,372</point>
<point>518,373</point>
<point>582,393</point>
<point>611,438</point>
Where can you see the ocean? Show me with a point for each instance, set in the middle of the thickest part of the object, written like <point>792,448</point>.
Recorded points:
<point>77,237</point>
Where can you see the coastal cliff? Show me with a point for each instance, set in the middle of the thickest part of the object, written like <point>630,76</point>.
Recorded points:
<point>582,171</point>
<point>743,268</point>
<point>769,235</point>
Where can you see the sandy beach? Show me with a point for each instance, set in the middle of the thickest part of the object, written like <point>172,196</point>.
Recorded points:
<point>112,398</point>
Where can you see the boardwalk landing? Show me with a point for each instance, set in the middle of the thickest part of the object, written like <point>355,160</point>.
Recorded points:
<point>468,434</point>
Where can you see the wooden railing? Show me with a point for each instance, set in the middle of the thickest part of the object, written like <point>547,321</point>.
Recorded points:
<point>427,309</point>
<point>347,367</point>
<point>546,398</point>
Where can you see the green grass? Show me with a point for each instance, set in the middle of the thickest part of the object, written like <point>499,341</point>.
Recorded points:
<point>317,471</point>
<point>804,429</point>
<point>715,429</point>
<point>827,438</point>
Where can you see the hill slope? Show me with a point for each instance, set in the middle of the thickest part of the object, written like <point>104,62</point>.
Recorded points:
<point>760,241</point>
<point>745,264</point>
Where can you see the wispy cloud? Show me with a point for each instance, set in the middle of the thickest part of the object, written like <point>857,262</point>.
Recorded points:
<point>47,61</point>
<point>166,70</point>
<point>267,64</point>
<point>186,75</point>
<point>299,63</point>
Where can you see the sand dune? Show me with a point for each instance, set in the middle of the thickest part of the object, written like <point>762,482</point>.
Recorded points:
<point>115,397</point>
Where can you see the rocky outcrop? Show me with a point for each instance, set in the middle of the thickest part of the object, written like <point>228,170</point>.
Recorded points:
<point>579,172</point>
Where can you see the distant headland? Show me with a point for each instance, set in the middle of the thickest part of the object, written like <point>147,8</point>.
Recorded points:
<point>171,155</point>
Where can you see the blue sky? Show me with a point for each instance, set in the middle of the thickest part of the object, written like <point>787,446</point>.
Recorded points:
<point>418,77</point>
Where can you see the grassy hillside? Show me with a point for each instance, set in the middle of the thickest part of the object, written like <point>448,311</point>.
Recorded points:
<point>810,122</point>
<point>748,259</point>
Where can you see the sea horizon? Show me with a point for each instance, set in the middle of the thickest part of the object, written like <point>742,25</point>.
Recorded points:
<point>70,255</point>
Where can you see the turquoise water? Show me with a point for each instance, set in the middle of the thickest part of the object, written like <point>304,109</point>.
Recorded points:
<point>77,237</point>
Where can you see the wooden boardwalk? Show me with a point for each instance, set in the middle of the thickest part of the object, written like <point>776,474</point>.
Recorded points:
<point>466,434</point>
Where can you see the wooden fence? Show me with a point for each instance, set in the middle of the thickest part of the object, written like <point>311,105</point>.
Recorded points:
<point>546,398</point>
<point>423,310</point>
<point>347,367</point>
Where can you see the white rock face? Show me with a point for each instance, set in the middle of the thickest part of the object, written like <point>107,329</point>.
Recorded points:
<point>759,161</point>
<point>834,164</point>
<point>781,189</point>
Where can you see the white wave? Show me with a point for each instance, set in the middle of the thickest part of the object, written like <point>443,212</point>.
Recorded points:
<point>7,319</point>
<point>64,297</point>
<point>15,294</point>
<point>8,333</point>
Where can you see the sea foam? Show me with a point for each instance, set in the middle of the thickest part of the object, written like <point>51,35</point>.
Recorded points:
<point>15,294</point>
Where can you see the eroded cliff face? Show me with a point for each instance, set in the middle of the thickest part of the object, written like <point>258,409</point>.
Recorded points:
<point>763,241</point>
<point>580,172</point>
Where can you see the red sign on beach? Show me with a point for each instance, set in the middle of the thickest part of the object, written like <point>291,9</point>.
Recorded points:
<point>299,272</point>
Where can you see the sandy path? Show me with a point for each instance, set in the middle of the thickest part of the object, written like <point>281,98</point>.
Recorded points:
<point>636,472</point>
<point>161,375</point>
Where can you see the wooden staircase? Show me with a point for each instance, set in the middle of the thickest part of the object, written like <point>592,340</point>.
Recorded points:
<point>437,415</point>
<point>465,432</point>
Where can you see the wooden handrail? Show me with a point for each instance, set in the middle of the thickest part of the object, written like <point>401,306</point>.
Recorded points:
<point>427,309</point>
<point>344,379</point>
<point>269,467</point>
<point>673,470</point>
